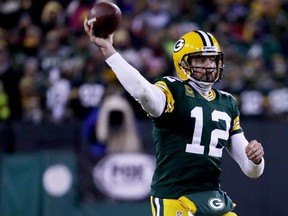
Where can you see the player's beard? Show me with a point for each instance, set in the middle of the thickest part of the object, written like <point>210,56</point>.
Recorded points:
<point>209,75</point>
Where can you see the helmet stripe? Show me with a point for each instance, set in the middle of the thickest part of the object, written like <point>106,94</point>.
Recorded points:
<point>206,38</point>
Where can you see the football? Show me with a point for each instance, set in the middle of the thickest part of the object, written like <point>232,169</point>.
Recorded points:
<point>105,18</point>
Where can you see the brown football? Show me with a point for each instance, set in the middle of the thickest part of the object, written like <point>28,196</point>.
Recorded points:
<point>105,17</point>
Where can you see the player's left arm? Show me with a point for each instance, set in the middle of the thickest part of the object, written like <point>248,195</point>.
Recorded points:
<point>254,151</point>
<point>249,155</point>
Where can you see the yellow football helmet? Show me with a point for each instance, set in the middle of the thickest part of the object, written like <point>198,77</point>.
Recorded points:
<point>195,44</point>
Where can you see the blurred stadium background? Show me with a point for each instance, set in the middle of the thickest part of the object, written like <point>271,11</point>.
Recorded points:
<point>73,142</point>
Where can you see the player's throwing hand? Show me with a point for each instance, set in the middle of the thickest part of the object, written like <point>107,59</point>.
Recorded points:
<point>105,44</point>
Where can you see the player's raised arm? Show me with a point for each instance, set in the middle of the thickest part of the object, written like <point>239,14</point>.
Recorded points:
<point>151,98</point>
<point>105,44</point>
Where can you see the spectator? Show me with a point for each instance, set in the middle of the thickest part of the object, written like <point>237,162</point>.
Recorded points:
<point>10,79</point>
<point>32,89</point>
<point>116,126</point>
<point>52,16</point>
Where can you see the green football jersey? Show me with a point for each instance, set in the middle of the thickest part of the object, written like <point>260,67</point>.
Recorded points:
<point>190,137</point>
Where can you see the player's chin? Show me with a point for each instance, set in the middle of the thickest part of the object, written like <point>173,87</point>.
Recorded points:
<point>211,78</point>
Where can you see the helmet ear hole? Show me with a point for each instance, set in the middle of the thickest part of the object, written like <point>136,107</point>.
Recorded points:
<point>189,60</point>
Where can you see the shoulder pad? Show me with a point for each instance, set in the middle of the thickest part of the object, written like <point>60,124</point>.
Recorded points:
<point>227,94</point>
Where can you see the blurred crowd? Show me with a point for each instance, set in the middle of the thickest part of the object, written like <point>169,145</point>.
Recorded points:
<point>49,70</point>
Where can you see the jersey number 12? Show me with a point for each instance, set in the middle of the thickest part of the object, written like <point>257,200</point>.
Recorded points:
<point>216,134</point>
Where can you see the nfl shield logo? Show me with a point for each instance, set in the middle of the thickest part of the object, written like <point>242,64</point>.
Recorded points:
<point>179,213</point>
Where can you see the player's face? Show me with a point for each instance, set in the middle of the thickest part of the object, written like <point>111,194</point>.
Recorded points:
<point>204,68</point>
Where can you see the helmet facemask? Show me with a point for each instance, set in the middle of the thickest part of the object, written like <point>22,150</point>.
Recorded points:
<point>202,74</point>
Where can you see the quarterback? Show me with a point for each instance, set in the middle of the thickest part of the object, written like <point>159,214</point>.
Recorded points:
<point>192,124</point>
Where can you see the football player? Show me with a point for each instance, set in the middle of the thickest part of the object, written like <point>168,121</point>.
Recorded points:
<point>192,124</point>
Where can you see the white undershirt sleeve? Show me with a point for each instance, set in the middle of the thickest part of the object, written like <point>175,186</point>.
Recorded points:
<point>237,152</point>
<point>151,98</point>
